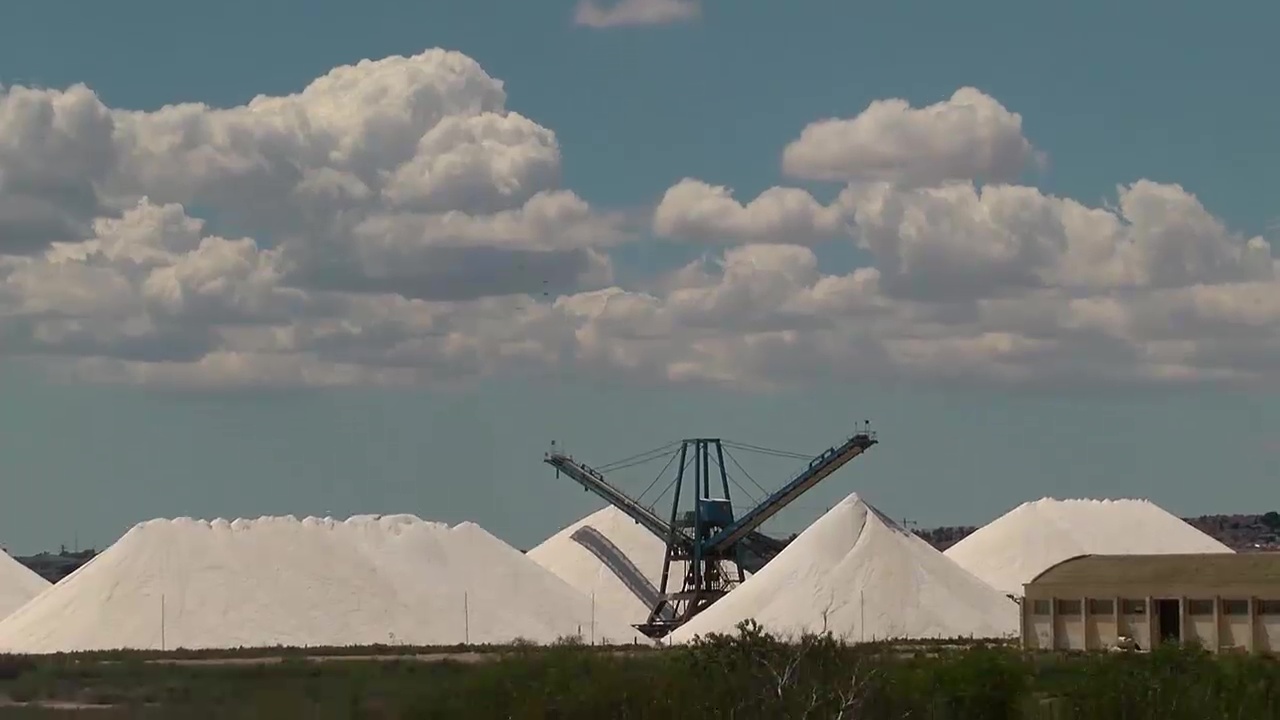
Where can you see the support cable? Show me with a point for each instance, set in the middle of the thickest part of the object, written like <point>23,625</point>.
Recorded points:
<point>656,478</point>
<point>744,472</point>
<point>637,459</point>
<point>761,448</point>
<point>729,476</point>
<point>784,455</point>
<point>634,463</point>
<point>674,478</point>
<point>633,460</point>
<point>767,451</point>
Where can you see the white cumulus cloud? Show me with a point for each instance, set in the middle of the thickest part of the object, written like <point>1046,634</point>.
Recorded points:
<point>394,222</point>
<point>695,210</point>
<point>968,136</point>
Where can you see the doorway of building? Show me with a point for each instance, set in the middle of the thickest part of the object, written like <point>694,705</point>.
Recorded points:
<point>1169,620</point>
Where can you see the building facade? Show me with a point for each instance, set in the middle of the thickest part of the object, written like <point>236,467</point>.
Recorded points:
<point>1225,602</point>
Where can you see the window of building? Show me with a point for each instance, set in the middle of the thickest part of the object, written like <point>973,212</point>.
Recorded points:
<point>1101,606</point>
<point>1133,606</point>
<point>1040,607</point>
<point>1068,607</point>
<point>1235,607</point>
<point>1199,607</point>
<point>1268,607</point>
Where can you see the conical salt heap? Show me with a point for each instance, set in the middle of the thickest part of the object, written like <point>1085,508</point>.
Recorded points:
<point>609,556</point>
<point>1027,540</point>
<point>859,575</point>
<point>18,584</point>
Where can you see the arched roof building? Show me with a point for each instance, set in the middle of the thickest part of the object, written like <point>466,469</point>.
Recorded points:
<point>1093,602</point>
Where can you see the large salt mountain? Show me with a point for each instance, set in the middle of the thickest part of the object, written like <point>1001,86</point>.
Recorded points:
<point>1027,540</point>
<point>315,582</point>
<point>18,584</point>
<point>859,575</point>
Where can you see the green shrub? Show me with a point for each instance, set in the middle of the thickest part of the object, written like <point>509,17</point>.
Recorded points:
<point>744,675</point>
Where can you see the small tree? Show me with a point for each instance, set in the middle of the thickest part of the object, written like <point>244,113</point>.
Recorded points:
<point>1271,519</point>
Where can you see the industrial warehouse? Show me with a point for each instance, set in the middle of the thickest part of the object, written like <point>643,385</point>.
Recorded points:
<point>1224,602</point>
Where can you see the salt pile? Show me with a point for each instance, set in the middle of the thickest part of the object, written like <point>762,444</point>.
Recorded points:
<point>315,582</point>
<point>870,578</point>
<point>18,584</point>
<point>1027,540</point>
<point>611,557</point>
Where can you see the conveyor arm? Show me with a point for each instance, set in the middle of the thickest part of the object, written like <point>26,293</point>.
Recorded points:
<point>595,482</point>
<point>819,468</point>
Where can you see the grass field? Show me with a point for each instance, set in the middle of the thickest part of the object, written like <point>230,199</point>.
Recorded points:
<point>748,675</point>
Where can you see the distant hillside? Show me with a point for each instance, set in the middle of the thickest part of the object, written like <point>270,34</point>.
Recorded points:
<point>1242,533</point>
<point>55,566</point>
<point>944,537</point>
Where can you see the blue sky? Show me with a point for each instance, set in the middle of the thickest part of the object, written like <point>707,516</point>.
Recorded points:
<point>1110,93</point>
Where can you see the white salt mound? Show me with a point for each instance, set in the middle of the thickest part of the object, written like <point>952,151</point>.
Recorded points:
<point>315,582</point>
<point>611,556</point>
<point>1027,540</point>
<point>18,584</point>
<point>872,579</point>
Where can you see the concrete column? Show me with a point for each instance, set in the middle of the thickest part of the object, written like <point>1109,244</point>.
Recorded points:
<point>1152,637</point>
<point>1084,623</point>
<point>1024,612</point>
<point>1183,618</point>
<point>1217,625</point>
<point>1116,617</point>
<point>1053,623</point>
<point>1253,625</point>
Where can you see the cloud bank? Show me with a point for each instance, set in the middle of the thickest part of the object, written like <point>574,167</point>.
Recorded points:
<point>395,223</point>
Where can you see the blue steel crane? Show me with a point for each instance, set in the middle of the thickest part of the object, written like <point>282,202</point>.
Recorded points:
<point>715,546</point>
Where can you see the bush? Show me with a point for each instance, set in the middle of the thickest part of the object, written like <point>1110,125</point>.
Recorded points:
<point>745,675</point>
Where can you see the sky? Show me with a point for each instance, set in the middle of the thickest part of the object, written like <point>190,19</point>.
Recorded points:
<point>328,258</point>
